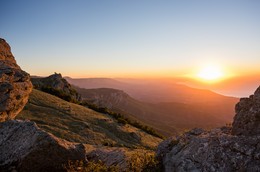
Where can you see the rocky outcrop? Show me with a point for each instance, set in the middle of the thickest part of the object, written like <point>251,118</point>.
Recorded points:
<point>58,86</point>
<point>247,119</point>
<point>15,85</point>
<point>216,150</point>
<point>234,148</point>
<point>25,147</point>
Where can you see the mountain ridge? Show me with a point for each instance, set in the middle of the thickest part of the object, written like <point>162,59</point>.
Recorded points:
<point>144,89</point>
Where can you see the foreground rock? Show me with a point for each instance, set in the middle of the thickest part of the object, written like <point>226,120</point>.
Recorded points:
<point>56,85</point>
<point>210,151</point>
<point>15,85</point>
<point>222,149</point>
<point>25,147</point>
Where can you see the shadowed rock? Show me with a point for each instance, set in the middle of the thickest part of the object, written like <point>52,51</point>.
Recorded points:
<point>25,147</point>
<point>247,118</point>
<point>15,85</point>
<point>56,85</point>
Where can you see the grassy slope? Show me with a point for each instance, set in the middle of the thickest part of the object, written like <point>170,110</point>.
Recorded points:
<point>79,124</point>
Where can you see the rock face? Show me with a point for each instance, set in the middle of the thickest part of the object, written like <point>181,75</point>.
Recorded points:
<point>25,147</point>
<point>222,149</point>
<point>247,118</point>
<point>58,86</point>
<point>15,85</point>
<point>216,150</point>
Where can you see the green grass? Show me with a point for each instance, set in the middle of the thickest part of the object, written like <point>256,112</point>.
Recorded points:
<point>80,124</point>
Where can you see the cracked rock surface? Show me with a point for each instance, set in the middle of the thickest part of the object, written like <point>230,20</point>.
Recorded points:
<point>15,84</point>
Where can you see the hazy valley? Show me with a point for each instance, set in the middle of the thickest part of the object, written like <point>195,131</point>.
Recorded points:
<point>170,108</point>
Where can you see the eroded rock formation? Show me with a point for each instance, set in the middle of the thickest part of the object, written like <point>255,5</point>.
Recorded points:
<point>234,148</point>
<point>55,84</point>
<point>15,85</point>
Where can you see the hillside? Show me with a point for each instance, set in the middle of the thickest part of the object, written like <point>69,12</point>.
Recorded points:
<point>79,124</point>
<point>167,118</point>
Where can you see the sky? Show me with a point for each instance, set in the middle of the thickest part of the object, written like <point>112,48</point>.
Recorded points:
<point>132,38</point>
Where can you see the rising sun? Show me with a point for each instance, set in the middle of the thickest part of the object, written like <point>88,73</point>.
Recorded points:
<point>210,73</point>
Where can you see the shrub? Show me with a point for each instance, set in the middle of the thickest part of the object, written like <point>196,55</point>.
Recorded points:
<point>122,121</point>
<point>91,166</point>
<point>145,162</point>
<point>58,93</point>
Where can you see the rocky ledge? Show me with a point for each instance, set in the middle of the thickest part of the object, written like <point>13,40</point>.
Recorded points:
<point>55,84</point>
<point>235,148</point>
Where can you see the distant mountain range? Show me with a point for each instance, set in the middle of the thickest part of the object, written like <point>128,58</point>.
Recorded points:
<point>153,91</point>
<point>169,108</point>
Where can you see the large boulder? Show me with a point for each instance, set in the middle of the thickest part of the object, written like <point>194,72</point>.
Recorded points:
<point>223,149</point>
<point>25,147</point>
<point>15,85</point>
<point>215,150</point>
<point>55,84</point>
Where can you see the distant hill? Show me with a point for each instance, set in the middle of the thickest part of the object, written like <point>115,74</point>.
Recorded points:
<point>166,117</point>
<point>79,124</point>
<point>155,91</point>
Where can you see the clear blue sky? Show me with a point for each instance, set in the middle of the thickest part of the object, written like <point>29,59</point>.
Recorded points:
<point>112,38</point>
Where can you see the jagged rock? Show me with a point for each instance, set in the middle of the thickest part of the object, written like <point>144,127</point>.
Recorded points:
<point>58,86</point>
<point>15,85</point>
<point>222,149</point>
<point>210,151</point>
<point>247,118</point>
<point>25,147</point>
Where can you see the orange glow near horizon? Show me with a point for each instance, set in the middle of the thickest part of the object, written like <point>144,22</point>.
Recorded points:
<point>212,73</point>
